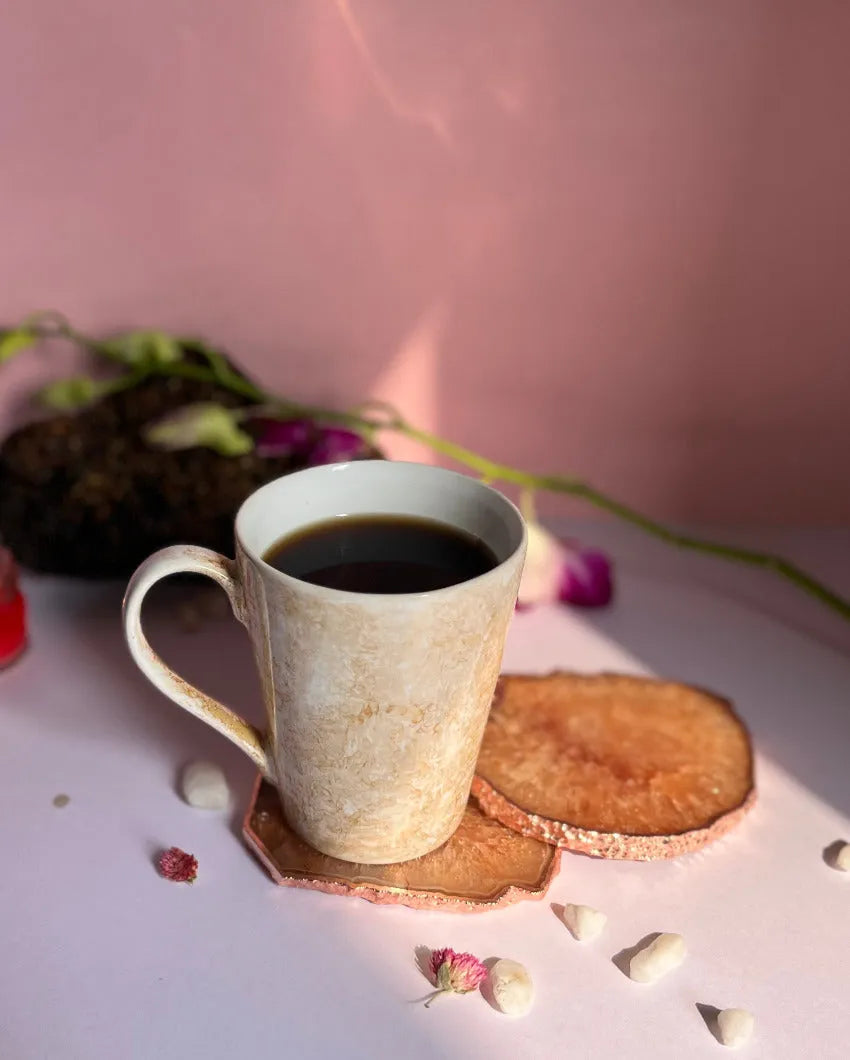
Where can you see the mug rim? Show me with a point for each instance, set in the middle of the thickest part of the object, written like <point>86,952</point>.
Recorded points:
<point>345,594</point>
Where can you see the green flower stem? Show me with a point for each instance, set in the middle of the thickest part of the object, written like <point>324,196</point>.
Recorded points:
<point>575,488</point>
<point>495,472</point>
<point>385,417</point>
<point>236,384</point>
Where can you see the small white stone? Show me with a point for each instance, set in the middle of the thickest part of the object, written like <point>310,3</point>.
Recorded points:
<point>841,861</point>
<point>513,990</point>
<point>584,922</point>
<point>658,958</point>
<point>204,786</point>
<point>734,1026</point>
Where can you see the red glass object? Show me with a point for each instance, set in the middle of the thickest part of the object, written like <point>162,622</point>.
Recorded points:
<point>13,611</point>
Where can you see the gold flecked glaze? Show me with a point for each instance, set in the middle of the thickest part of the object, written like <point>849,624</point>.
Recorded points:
<point>375,745</point>
<point>545,761</point>
<point>483,866</point>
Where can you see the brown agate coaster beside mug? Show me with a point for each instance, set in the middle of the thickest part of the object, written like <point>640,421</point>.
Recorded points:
<point>614,766</point>
<point>482,866</point>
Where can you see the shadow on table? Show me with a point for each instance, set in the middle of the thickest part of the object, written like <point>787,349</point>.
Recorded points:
<point>216,656</point>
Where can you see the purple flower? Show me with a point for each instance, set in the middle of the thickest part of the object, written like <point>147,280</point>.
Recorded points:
<point>284,437</point>
<point>305,440</point>
<point>585,577</point>
<point>557,571</point>
<point>335,445</point>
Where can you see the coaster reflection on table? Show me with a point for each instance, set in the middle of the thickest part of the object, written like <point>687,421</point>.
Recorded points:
<point>483,866</point>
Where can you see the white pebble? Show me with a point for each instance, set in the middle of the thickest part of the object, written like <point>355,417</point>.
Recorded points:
<point>584,922</point>
<point>205,787</point>
<point>658,958</point>
<point>734,1026</point>
<point>841,861</point>
<point>513,990</point>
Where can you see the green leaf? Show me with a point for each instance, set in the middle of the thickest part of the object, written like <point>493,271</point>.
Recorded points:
<point>69,395</point>
<point>144,347</point>
<point>12,342</point>
<point>203,424</point>
<point>163,349</point>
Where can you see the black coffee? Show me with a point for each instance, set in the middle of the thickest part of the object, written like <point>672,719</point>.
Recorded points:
<point>381,554</point>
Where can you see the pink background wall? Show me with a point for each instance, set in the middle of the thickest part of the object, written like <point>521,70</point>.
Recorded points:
<point>608,238</point>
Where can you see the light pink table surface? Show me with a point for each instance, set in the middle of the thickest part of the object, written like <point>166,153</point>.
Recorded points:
<point>101,959</point>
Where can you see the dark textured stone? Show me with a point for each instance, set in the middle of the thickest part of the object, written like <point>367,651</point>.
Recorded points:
<point>83,495</point>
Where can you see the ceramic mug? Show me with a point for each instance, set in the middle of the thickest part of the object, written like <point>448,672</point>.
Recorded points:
<point>376,703</point>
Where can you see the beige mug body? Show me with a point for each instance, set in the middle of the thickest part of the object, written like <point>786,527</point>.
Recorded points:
<point>376,703</point>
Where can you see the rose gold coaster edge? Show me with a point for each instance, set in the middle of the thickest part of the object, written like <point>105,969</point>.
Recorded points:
<point>624,846</point>
<point>391,895</point>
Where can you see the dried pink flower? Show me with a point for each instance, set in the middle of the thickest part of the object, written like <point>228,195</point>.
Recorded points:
<point>454,973</point>
<point>175,864</point>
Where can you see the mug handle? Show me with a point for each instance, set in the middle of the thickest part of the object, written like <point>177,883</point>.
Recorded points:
<point>181,559</point>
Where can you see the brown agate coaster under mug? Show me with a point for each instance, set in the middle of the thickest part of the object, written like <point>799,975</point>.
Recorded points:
<point>613,765</point>
<point>482,866</point>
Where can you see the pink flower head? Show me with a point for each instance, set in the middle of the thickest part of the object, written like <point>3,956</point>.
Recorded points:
<point>557,571</point>
<point>336,445</point>
<point>455,973</point>
<point>175,864</point>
